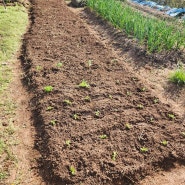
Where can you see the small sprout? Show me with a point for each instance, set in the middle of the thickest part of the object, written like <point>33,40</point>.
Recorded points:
<point>104,136</point>
<point>53,122</point>
<point>140,106</point>
<point>59,64</point>
<point>171,116</point>
<point>134,79</point>
<point>72,170</point>
<point>183,134</point>
<point>87,99</point>
<point>89,63</point>
<point>68,142</point>
<point>38,68</point>
<point>110,96</point>
<point>129,93</point>
<point>114,155</point>
<point>48,88</point>
<point>142,89</point>
<point>156,100</point>
<point>75,116</point>
<point>144,149</point>
<point>164,142</point>
<point>67,102</point>
<point>84,84</point>
<point>97,113</point>
<point>128,126</point>
<point>117,82</point>
<point>49,108</point>
<point>114,61</point>
<point>151,119</point>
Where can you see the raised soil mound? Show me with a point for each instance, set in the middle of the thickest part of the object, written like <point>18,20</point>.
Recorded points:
<point>60,52</point>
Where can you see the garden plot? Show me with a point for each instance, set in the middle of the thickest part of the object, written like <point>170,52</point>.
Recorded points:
<point>97,122</point>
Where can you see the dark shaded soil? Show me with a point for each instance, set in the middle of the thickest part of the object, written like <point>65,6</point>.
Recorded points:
<point>117,97</point>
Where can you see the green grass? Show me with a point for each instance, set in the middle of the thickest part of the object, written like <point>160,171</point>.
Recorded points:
<point>13,23</point>
<point>157,35</point>
<point>178,77</point>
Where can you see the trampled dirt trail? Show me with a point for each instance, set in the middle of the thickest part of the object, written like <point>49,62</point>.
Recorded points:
<point>25,170</point>
<point>60,51</point>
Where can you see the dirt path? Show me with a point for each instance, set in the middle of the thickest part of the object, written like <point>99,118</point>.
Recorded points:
<point>107,133</point>
<point>26,169</point>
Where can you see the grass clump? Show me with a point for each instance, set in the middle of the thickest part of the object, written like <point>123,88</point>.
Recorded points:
<point>178,77</point>
<point>155,34</point>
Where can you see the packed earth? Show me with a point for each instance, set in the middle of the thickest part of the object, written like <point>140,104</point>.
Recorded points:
<point>97,121</point>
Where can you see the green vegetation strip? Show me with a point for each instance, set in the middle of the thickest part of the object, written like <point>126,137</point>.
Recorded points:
<point>157,35</point>
<point>13,23</point>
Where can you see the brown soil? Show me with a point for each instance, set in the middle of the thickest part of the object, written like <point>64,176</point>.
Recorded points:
<point>58,35</point>
<point>24,171</point>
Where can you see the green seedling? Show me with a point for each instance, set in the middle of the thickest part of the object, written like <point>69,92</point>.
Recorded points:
<point>140,106</point>
<point>68,142</point>
<point>48,88</point>
<point>129,93</point>
<point>38,68</point>
<point>164,142</point>
<point>156,100</point>
<point>117,82</point>
<point>183,134</point>
<point>144,149</point>
<point>171,116</point>
<point>84,84</point>
<point>110,96</point>
<point>151,119</point>
<point>104,136</point>
<point>53,122</point>
<point>67,102</point>
<point>49,108</point>
<point>75,116</point>
<point>114,61</point>
<point>97,113</point>
<point>87,99</point>
<point>72,170</point>
<point>142,89</point>
<point>114,155</point>
<point>59,64</point>
<point>128,126</point>
<point>89,63</point>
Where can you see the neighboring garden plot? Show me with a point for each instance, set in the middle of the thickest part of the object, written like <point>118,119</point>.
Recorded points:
<point>157,35</point>
<point>97,122</point>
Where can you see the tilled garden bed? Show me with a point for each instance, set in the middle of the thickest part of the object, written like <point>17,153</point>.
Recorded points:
<point>110,130</point>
